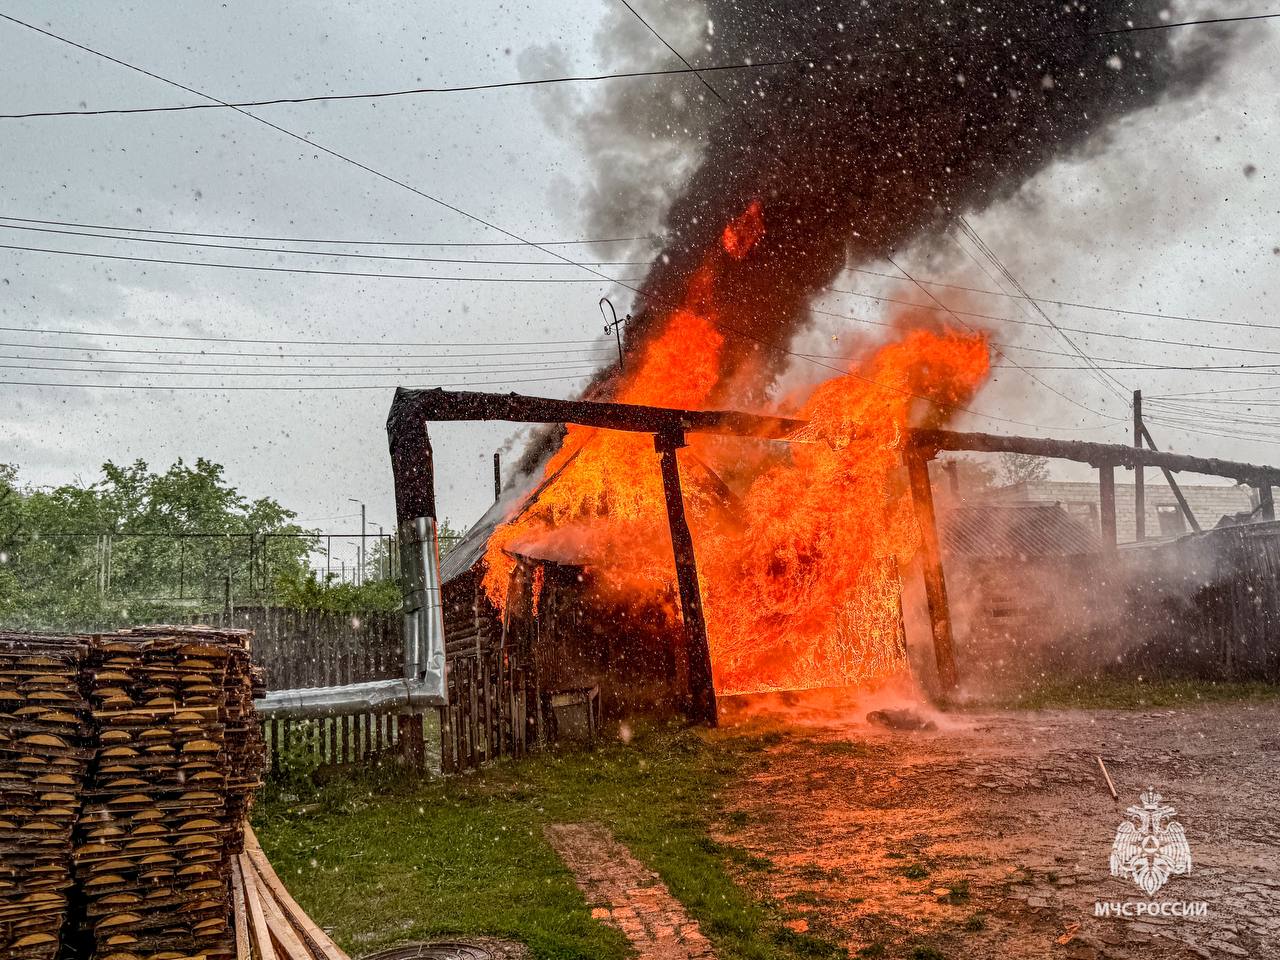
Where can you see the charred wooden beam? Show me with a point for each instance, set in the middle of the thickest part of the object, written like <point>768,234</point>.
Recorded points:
<point>437,404</point>
<point>935,584</point>
<point>1107,498</point>
<point>702,691</point>
<point>929,442</point>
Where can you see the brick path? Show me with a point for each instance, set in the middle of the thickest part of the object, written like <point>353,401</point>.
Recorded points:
<point>626,894</point>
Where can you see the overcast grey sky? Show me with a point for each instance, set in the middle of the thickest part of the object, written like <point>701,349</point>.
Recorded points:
<point>1175,213</point>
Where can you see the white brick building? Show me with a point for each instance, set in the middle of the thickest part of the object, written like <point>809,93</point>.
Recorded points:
<point>1209,503</point>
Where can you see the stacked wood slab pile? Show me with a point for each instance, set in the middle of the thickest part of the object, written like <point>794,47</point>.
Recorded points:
<point>128,763</point>
<point>44,758</point>
<point>161,824</point>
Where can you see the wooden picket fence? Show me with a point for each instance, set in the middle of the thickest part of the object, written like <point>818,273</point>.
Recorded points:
<point>318,648</point>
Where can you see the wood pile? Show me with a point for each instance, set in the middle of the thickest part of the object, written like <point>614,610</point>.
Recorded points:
<point>128,763</point>
<point>179,755</point>
<point>45,751</point>
<point>269,925</point>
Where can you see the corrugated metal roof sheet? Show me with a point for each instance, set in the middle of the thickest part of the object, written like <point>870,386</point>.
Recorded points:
<point>1013,531</point>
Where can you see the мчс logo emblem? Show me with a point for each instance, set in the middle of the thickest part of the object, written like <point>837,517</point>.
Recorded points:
<point>1151,847</point>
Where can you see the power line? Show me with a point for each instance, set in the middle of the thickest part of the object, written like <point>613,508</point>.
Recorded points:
<point>306,140</point>
<point>298,342</point>
<point>918,279</point>
<point>1201,393</point>
<point>321,253</point>
<point>1015,363</point>
<point>1048,300</point>
<point>273,387</point>
<point>898,50</point>
<point>680,56</point>
<point>1058,326</point>
<point>320,272</point>
<point>458,210</point>
<point>273,372</point>
<point>350,243</point>
<point>1004,271</point>
<point>591,353</point>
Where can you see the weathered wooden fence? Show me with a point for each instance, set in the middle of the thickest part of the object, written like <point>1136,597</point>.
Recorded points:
<point>492,693</point>
<point>487,716</point>
<point>318,648</point>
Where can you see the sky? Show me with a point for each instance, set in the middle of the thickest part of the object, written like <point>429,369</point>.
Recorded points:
<point>1174,211</point>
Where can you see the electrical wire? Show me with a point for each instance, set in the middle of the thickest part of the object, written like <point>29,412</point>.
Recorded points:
<point>345,242</point>
<point>1108,382</point>
<point>324,253</point>
<point>1033,323</point>
<point>1118,311</point>
<point>592,353</point>
<point>334,372</point>
<point>1015,363</point>
<point>679,56</point>
<point>298,342</point>
<point>458,210</point>
<point>898,50</point>
<point>320,272</point>
<point>216,388</point>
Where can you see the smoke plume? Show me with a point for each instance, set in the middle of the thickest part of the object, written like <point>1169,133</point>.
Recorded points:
<point>883,123</point>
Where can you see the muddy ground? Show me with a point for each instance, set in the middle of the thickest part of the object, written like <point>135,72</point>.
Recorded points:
<point>991,836</point>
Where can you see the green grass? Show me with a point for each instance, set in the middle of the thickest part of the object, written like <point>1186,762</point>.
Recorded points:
<point>1109,693</point>
<point>383,860</point>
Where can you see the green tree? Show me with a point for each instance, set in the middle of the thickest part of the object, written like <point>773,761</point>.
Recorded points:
<point>137,545</point>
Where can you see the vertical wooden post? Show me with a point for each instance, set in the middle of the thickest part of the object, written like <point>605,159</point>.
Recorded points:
<point>1139,484</point>
<point>1266,501</point>
<point>702,692</point>
<point>1107,488</point>
<point>935,584</point>
<point>497,475</point>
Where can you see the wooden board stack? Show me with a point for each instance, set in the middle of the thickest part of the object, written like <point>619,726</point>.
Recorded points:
<point>269,925</point>
<point>179,756</point>
<point>44,758</point>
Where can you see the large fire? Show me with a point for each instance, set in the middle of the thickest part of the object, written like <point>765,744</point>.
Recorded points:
<point>798,542</point>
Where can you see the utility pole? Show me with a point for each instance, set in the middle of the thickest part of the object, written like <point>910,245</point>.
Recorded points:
<point>1139,487</point>
<point>613,325</point>
<point>360,572</point>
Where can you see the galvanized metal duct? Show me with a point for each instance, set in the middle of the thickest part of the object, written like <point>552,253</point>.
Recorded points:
<point>422,685</point>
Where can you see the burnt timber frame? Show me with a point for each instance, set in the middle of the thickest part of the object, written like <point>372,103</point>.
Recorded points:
<point>411,410</point>
<point>923,445</point>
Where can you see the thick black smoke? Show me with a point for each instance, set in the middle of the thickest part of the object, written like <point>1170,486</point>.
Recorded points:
<point>906,115</point>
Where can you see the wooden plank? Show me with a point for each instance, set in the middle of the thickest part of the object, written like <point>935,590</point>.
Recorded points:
<point>270,882</point>
<point>286,941</point>
<point>259,932</point>
<point>240,912</point>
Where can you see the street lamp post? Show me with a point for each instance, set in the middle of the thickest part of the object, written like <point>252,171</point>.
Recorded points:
<point>360,573</point>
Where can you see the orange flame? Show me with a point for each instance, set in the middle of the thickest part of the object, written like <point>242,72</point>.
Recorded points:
<point>799,573</point>
<point>744,232</point>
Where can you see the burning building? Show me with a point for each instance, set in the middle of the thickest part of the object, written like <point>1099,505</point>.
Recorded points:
<point>854,144</point>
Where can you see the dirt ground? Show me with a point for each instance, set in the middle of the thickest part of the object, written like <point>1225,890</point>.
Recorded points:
<point>991,836</point>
